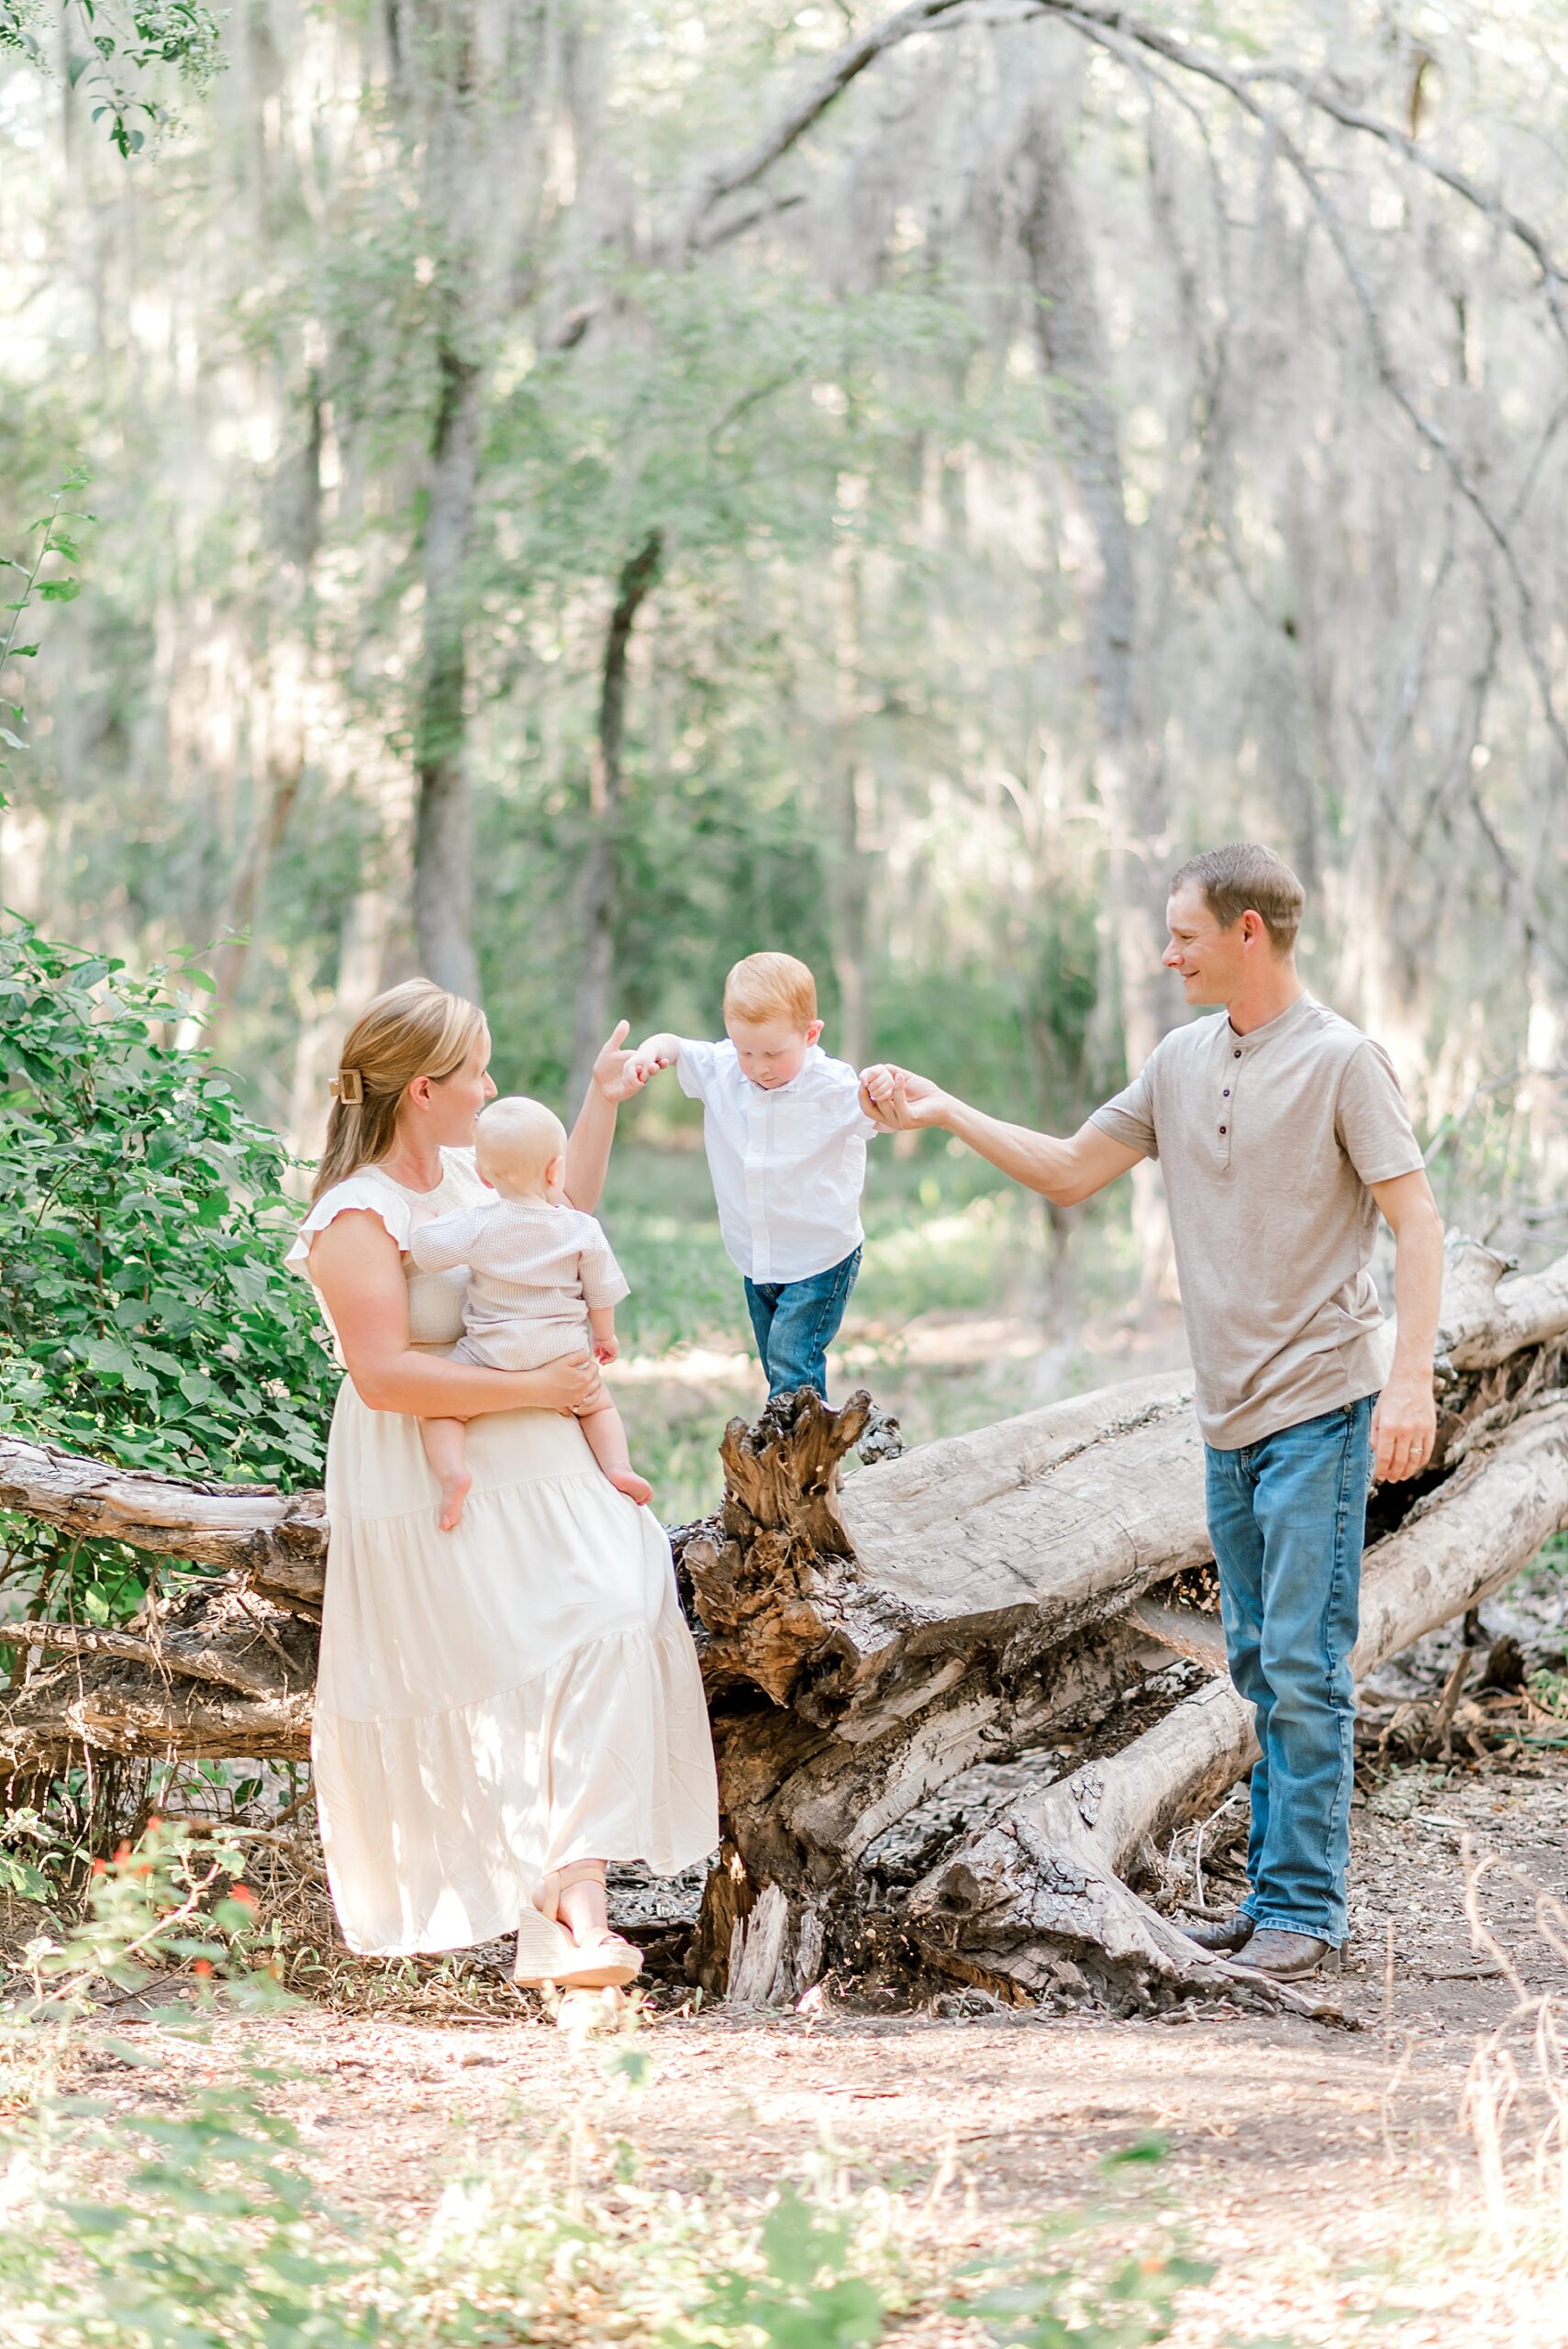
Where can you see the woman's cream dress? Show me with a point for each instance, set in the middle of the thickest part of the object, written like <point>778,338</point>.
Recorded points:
<point>496,1701</point>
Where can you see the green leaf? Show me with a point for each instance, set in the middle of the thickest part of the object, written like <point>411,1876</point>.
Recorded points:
<point>12,741</point>
<point>60,591</point>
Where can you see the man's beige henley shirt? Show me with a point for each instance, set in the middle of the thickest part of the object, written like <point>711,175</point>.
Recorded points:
<point>1268,1142</point>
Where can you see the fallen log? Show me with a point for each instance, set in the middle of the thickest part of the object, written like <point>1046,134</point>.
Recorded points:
<point>210,1674</point>
<point>1046,1874</point>
<point>889,1660</point>
<point>1033,1598</point>
<point>276,1541</point>
<point>1486,1318</point>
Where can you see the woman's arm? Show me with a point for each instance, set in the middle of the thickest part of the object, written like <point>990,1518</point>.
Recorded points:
<point>617,1076</point>
<point>356,1265</point>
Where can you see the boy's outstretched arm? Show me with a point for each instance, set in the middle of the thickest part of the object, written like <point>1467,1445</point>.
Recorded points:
<point>1066,1171</point>
<point>655,1053</point>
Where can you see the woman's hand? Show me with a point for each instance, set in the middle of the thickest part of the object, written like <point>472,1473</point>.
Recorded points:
<point>618,1074</point>
<point>569,1388</point>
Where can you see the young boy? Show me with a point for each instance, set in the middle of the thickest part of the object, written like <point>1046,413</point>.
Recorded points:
<point>785,1137</point>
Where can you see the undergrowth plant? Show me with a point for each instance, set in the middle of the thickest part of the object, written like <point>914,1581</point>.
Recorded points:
<point>145,1315</point>
<point>191,2219</point>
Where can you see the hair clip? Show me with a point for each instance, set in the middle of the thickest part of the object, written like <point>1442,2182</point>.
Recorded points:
<point>348,1086</point>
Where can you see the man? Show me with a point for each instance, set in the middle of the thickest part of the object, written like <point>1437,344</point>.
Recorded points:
<point>1282,1134</point>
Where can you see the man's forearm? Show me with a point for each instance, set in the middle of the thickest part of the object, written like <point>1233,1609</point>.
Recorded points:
<point>1038,1161</point>
<point>1417,1290</point>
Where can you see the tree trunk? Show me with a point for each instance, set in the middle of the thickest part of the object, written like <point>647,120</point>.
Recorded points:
<point>597,971</point>
<point>443,823</point>
<point>1072,349</point>
<point>851,784</point>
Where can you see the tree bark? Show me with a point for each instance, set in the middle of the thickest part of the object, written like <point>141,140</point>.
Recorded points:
<point>276,1542</point>
<point>443,822</point>
<point>1073,353</point>
<point>595,980</point>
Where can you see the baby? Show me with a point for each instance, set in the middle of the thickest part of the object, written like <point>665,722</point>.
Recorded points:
<point>785,1135</point>
<point>542,1285</point>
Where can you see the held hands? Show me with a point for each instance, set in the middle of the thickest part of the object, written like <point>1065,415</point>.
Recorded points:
<point>900,1101</point>
<point>656,1053</point>
<point>617,1072</point>
<point>1404,1426</point>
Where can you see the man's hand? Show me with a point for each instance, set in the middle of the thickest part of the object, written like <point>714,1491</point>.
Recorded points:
<point>1404,1426</point>
<point>898,1100</point>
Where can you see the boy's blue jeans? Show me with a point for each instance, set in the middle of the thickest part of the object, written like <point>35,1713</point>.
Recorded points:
<point>1287,1517</point>
<point>797,1321</point>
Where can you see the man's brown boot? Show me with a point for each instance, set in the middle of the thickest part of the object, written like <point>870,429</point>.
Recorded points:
<point>1285,1957</point>
<point>1223,1935</point>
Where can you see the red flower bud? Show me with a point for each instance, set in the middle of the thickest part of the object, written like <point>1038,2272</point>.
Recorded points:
<point>202,1965</point>
<point>99,1865</point>
<point>243,1894</point>
<point>122,1852</point>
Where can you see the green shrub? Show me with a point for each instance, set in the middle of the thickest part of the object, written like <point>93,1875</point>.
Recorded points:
<point>145,1315</point>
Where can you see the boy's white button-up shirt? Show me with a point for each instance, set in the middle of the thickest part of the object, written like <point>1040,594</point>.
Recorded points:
<point>788,1164</point>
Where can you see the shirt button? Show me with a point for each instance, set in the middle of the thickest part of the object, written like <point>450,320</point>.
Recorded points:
<point>1222,1128</point>
<point>1226,1095</point>
<point>1236,1055</point>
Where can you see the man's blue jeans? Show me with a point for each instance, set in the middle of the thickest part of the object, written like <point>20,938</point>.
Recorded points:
<point>1287,1517</point>
<point>797,1321</point>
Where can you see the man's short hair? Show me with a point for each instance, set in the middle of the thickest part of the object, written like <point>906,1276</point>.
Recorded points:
<point>771,986</point>
<point>1241,878</point>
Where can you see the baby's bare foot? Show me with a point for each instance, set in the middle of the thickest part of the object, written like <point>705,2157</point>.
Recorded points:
<point>455,1490</point>
<point>628,1481</point>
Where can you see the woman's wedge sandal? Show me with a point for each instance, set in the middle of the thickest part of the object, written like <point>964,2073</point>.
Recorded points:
<point>545,1951</point>
<point>604,1962</point>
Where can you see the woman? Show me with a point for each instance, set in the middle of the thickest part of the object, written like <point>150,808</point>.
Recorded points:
<point>502,1708</point>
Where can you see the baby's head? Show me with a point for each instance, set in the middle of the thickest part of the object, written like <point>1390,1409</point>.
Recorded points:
<point>519,1147</point>
<point>770,1016</point>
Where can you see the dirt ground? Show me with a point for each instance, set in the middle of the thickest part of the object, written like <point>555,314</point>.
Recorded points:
<point>1326,2169</point>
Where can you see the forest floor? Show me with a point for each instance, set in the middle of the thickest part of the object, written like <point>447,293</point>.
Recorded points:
<point>1333,2174</point>
<point>1327,2171</point>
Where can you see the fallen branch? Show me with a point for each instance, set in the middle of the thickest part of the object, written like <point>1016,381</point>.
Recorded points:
<point>278,1541</point>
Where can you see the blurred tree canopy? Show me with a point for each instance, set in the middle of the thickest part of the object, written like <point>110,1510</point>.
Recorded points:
<point>586,490</point>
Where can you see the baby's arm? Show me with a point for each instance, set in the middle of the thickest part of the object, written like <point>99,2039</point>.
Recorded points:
<point>602,1324</point>
<point>442,1244</point>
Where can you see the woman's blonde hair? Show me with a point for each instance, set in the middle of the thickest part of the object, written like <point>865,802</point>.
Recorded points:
<point>414,1030</point>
